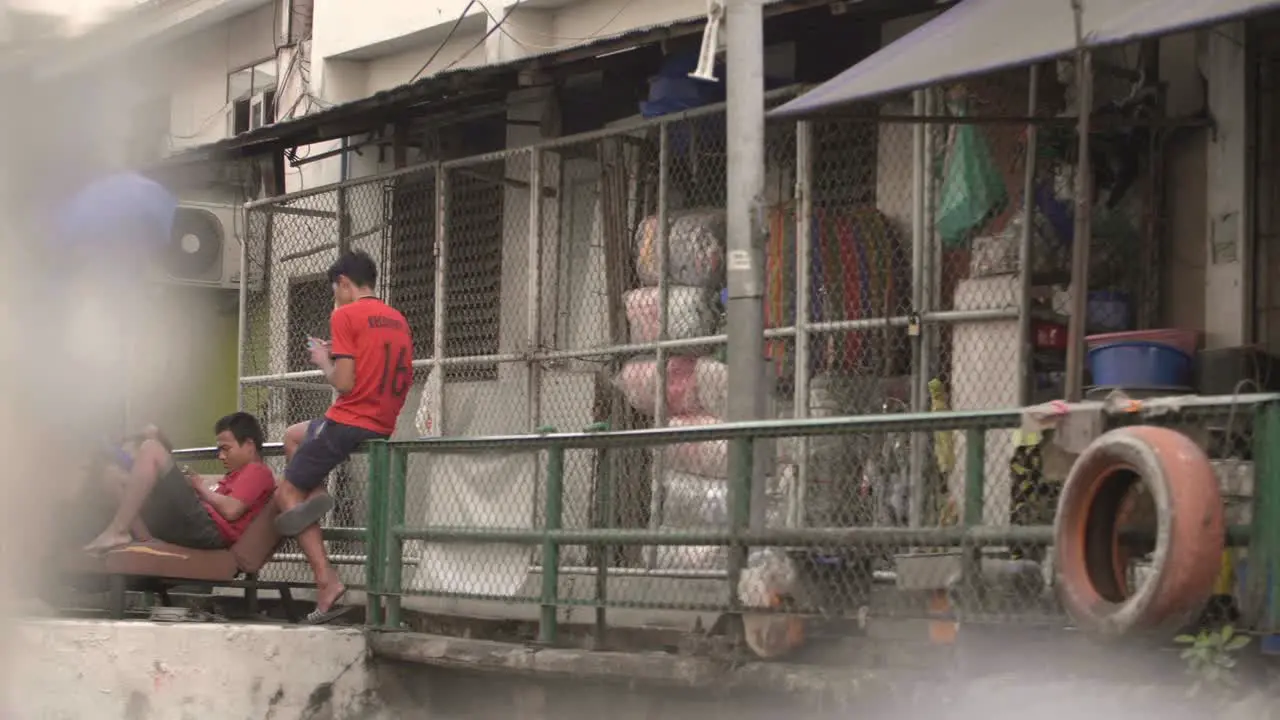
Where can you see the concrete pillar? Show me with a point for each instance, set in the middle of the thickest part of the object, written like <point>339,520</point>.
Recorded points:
<point>1228,234</point>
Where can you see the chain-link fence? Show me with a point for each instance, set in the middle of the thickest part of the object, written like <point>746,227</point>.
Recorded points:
<point>460,526</point>
<point>902,274</point>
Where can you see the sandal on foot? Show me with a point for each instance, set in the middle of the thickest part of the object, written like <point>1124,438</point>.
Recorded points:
<point>335,611</point>
<point>291,523</point>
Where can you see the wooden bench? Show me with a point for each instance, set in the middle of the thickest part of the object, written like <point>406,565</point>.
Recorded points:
<point>159,566</point>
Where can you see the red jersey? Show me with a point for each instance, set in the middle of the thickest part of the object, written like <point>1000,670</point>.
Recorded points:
<point>252,485</point>
<point>377,337</point>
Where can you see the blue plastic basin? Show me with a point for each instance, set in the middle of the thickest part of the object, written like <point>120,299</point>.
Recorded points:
<point>1139,363</point>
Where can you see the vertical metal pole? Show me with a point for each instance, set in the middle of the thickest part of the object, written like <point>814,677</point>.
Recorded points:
<point>930,275</point>
<point>242,312</point>
<point>919,375</point>
<point>657,489</point>
<point>604,515</point>
<point>533,338</point>
<point>1262,602</point>
<point>742,456</point>
<point>745,122</point>
<point>441,283</point>
<point>344,220</point>
<point>393,545</point>
<point>1083,232</point>
<point>375,532</point>
<point>1025,353</point>
<point>796,515</point>
<point>975,472</point>
<point>547,629</point>
<point>975,454</point>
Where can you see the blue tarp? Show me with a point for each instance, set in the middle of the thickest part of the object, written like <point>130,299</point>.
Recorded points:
<point>124,211</point>
<point>976,37</point>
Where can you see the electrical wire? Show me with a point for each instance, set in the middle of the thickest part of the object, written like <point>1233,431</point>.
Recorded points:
<point>551,36</point>
<point>496,27</point>
<point>447,38</point>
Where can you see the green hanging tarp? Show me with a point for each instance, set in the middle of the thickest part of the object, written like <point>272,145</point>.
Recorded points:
<point>972,188</point>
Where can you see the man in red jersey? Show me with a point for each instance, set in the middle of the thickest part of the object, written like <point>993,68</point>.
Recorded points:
<point>368,360</point>
<point>158,499</point>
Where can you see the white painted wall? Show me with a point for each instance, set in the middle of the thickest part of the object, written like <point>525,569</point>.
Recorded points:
<point>389,71</point>
<point>198,69</point>
<point>341,26</point>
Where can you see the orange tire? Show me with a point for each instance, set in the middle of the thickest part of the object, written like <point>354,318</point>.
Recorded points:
<point>1189,535</point>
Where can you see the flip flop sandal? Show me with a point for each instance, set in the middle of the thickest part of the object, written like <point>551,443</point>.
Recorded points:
<point>103,551</point>
<point>335,611</point>
<point>305,514</point>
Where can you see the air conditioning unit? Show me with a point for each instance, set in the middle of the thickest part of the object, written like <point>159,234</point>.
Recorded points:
<point>205,247</point>
<point>262,110</point>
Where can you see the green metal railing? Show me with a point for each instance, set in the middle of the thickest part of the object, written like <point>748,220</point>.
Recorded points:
<point>387,530</point>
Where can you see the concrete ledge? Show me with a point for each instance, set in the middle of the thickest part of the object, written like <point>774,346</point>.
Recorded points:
<point>655,669</point>
<point>157,671</point>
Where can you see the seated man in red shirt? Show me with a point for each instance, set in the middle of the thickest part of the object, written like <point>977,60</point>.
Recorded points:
<point>178,508</point>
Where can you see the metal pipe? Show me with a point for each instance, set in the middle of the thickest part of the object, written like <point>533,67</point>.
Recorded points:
<point>549,355</point>
<point>440,303</point>
<point>1262,603</point>
<point>796,514</point>
<point>377,532</point>
<point>954,536</point>
<point>933,250</point>
<point>533,319</point>
<point>547,629</point>
<point>657,489</point>
<point>880,576</point>
<point>300,254</point>
<point>300,559</point>
<point>744,38</point>
<point>1083,233</point>
<point>242,312</point>
<point>1025,350</point>
<point>1192,406</point>
<point>1190,121</point>
<point>919,375</point>
<point>939,318</point>
<point>393,572</point>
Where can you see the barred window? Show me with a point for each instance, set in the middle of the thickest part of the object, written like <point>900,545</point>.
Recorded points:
<point>310,303</point>
<point>474,284</point>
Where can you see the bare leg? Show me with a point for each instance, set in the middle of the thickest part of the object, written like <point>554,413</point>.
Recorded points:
<point>328,586</point>
<point>116,481</point>
<point>293,439</point>
<point>142,479</point>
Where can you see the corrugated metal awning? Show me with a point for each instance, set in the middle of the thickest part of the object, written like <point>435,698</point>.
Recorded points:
<point>982,36</point>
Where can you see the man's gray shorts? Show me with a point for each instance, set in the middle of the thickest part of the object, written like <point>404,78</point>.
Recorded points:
<point>175,514</point>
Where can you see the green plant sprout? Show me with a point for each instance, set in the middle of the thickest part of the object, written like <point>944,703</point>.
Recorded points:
<point>1211,659</point>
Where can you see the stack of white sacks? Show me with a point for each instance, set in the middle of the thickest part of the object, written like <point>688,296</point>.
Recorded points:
<point>692,476</point>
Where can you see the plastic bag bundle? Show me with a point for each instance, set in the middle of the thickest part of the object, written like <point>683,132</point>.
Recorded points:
<point>711,377</point>
<point>695,248</point>
<point>638,382</point>
<point>708,459</point>
<point>690,313</point>
<point>693,501</point>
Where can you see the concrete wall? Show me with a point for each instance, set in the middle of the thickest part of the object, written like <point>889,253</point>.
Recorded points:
<point>199,68</point>
<point>146,671</point>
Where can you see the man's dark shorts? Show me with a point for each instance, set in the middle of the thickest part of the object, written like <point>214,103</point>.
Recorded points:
<point>174,513</point>
<point>326,446</point>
